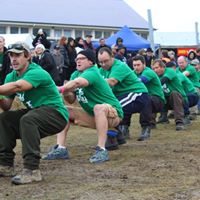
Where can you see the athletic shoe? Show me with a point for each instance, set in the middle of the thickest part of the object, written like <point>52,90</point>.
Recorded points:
<point>145,133</point>
<point>27,176</point>
<point>6,171</point>
<point>180,127</point>
<point>111,143</point>
<point>100,156</point>
<point>56,153</point>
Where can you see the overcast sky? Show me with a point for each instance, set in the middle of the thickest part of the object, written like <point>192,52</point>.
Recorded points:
<point>170,15</point>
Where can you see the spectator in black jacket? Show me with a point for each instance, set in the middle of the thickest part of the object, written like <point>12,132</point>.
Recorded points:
<point>41,38</point>
<point>44,58</point>
<point>4,61</point>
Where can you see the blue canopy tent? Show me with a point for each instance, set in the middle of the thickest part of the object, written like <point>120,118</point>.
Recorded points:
<point>131,40</point>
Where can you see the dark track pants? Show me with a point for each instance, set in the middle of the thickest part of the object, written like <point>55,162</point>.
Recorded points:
<point>30,126</point>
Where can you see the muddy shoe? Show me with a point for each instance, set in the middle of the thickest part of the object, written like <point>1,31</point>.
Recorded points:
<point>6,171</point>
<point>163,119</point>
<point>171,115</point>
<point>180,127</point>
<point>100,156</point>
<point>192,116</point>
<point>111,143</point>
<point>57,153</point>
<point>186,120</point>
<point>123,133</point>
<point>145,133</point>
<point>27,176</point>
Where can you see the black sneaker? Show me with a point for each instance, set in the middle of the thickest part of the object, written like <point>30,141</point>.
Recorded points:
<point>145,133</point>
<point>180,127</point>
<point>111,143</point>
<point>123,133</point>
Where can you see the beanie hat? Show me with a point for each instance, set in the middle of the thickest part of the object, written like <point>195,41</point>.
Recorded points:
<point>89,54</point>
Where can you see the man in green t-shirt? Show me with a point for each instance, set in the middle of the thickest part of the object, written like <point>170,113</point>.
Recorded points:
<point>101,108</point>
<point>189,71</point>
<point>153,84</point>
<point>129,90</point>
<point>190,90</point>
<point>196,64</point>
<point>44,115</point>
<point>173,90</point>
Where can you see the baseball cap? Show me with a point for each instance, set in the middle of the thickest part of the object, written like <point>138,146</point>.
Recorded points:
<point>194,62</point>
<point>18,47</point>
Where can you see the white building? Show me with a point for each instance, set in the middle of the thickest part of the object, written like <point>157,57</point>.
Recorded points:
<point>101,18</point>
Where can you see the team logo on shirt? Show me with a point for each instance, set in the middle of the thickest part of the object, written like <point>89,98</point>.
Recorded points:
<point>166,90</point>
<point>22,99</point>
<point>81,96</point>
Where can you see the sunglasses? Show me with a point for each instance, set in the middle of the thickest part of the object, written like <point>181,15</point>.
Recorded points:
<point>19,47</point>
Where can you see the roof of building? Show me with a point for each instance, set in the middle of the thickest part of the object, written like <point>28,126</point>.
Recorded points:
<point>175,39</point>
<point>104,13</point>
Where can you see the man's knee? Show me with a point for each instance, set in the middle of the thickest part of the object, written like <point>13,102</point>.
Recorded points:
<point>100,108</point>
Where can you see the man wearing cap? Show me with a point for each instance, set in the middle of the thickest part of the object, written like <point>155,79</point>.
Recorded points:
<point>88,42</point>
<point>101,108</point>
<point>44,114</point>
<point>120,55</point>
<point>149,57</point>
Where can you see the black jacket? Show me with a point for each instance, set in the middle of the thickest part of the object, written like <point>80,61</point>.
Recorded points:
<point>41,39</point>
<point>47,63</point>
<point>6,66</point>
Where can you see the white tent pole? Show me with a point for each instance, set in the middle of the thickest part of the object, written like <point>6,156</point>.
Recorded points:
<point>151,37</point>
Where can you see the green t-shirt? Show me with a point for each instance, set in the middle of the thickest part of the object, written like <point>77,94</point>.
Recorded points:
<point>193,75</point>
<point>44,91</point>
<point>198,73</point>
<point>153,85</point>
<point>174,84</point>
<point>128,81</point>
<point>187,84</point>
<point>97,92</point>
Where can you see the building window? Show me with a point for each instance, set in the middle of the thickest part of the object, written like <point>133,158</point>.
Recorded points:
<point>67,32</point>
<point>35,31</point>
<point>2,30</point>
<point>14,30</point>
<point>47,31</point>
<point>87,32</point>
<point>98,34</point>
<point>78,33</point>
<point>107,34</point>
<point>24,30</point>
<point>57,33</point>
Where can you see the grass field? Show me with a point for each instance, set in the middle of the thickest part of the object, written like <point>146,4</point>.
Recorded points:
<point>166,167</point>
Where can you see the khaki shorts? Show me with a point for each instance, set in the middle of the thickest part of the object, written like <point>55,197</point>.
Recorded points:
<point>79,117</point>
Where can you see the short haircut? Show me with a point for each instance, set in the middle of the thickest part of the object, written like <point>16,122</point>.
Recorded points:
<point>139,57</point>
<point>160,62</point>
<point>107,50</point>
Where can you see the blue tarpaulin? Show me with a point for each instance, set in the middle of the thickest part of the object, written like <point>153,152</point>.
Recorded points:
<point>131,40</point>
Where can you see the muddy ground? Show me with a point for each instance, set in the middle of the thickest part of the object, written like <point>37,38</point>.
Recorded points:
<point>166,167</point>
